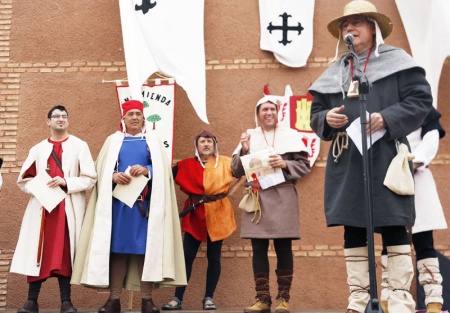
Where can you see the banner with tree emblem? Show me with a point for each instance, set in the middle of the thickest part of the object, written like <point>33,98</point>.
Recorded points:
<point>159,110</point>
<point>287,30</point>
<point>167,37</point>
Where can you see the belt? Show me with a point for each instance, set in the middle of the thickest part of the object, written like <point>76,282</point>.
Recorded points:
<point>199,199</point>
<point>207,198</point>
<point>143,211</point>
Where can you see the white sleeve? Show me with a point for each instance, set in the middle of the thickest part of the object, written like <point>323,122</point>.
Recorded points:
<point>427,149</point>
<point>87,176</point>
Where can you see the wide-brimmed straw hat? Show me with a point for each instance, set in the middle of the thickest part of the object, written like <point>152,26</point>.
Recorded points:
<point>365,8</point>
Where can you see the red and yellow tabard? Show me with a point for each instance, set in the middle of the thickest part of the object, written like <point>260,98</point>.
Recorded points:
<point>213,218</point>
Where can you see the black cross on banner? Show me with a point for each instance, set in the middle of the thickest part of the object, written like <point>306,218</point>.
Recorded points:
<point>285,28</point>
<point>145,6</point>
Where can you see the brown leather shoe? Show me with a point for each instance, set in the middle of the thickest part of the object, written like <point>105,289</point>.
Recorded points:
<point>148,306</point>
<point>433,307</point>
<point>258,307</point>
<point>67,307</point>
<point>29,306</point>
<point>111,306</point>
<point>282,306</point>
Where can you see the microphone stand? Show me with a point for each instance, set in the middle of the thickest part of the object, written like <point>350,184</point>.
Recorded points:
<point>373,306</point>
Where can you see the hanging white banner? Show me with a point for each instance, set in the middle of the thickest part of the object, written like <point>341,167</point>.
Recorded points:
<point>166,36</point>
<point>159,111</point>
<point>427,26</point>
<point>287,30</point>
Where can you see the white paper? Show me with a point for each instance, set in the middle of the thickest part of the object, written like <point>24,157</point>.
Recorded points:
<point>47,196</point>
<point>257,163</point>
<point>272,179</point>
<point>129,193</point>
<point>354,132</point>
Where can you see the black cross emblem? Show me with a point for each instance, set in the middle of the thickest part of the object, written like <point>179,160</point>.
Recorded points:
<point>285,28</point>
<point>145,6</point>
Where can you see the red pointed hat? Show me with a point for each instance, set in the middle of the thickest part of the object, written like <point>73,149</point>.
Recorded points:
<point>132,105</point>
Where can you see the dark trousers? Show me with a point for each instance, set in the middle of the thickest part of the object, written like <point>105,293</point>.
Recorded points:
<point>283,249</point>
<point>213,253</point>
<point>355,237</point>
<point>34,288</point>
<point>423,245</point>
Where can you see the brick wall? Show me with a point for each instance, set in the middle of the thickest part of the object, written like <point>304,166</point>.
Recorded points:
<point>12,71</point>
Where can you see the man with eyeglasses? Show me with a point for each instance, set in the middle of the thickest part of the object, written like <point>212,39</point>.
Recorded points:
<point>47,240</point>
<point>135,243</point>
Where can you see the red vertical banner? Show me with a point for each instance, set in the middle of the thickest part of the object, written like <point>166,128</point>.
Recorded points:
<point>300,117</point>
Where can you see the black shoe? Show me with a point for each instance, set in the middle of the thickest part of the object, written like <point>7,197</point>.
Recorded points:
<point>30,306</point>
<point>111,306</point>
<point>148,306</point>
<point>67,307</point>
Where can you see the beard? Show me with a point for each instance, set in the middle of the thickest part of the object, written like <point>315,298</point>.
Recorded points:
<point>206,153</point>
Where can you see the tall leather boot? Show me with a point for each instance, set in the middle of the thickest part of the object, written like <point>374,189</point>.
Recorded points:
<point>284,280</point>
<point>263,300</point>
<point>431,279</point>
<point>401,273</point>
<point>384,296</point>
<point>357,263</point>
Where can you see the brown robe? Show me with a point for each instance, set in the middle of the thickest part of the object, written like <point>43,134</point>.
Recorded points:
<point>279,204</point>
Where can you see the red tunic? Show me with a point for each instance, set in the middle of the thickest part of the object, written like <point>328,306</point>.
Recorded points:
<point>56,258</point>
<point>216,218</point>
<point>190,179</point>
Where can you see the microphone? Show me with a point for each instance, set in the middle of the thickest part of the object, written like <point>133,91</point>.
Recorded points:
<point>348,39</point>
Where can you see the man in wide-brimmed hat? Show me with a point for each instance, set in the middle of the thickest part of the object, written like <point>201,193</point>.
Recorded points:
<point>397,103</point>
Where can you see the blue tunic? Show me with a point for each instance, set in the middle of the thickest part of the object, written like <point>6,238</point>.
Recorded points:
<point>129,227</point>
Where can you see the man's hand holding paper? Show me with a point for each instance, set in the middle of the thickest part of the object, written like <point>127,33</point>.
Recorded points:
<point>42,187</point>
<point>130,184</point>
<point>378,130</point>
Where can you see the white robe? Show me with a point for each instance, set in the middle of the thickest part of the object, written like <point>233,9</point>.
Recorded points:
<point>429,213</point>
<point>164,258</point>
<point>80,175</point>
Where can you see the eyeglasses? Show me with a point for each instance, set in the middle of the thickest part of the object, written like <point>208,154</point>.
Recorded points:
<point>57,117</point>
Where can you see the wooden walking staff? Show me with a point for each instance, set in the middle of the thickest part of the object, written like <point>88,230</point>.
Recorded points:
<point>41,238</point>
<point>41,231</point>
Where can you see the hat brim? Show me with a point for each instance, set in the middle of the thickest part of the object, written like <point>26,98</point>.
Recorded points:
<point>383,21</point>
